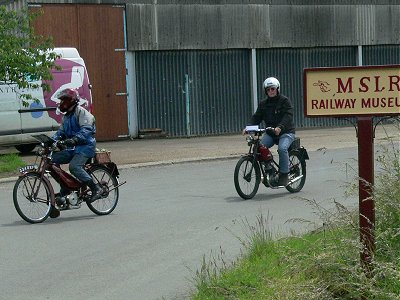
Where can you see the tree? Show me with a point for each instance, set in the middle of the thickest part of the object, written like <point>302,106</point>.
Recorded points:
<point>25,58</point>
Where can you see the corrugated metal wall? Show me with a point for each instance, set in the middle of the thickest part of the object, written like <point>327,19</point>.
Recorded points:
<point>381,55</point>
<point>287,65</point>
<point>160,80</point>
<point>219,84</point>
<point>170,25</point>
<point>219,91</point>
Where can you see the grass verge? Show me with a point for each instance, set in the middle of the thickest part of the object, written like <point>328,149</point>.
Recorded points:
<point>10,163</point>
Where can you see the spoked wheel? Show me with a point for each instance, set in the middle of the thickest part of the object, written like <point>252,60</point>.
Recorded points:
<point>297,172</point>
<point>109,200</point>
<point>247,177</point>
<point>31,197</point>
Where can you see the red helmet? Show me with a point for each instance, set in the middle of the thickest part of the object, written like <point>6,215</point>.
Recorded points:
<point>68,98</point>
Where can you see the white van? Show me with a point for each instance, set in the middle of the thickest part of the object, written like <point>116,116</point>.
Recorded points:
<point>18,123</point>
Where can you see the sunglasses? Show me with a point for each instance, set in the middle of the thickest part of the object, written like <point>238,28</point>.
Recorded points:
<point>271,89</point>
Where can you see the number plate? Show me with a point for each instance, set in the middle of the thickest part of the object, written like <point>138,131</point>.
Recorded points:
<point>28,168</point>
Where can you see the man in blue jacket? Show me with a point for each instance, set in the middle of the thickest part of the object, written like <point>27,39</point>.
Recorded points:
<point>77,130</point>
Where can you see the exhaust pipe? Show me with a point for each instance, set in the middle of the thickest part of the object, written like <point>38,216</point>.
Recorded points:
<point>295,180</point>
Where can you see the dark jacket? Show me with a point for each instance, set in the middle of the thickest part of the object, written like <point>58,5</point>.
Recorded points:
<point>275,112</point>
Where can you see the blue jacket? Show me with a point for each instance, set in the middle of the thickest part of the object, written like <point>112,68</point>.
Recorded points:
<point>80,124</point>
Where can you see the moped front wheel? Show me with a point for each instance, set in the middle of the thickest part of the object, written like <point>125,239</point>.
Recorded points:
<point>31,197</point>
<point>297,172</point>
<point>109,200</point>
<point>247,177</point>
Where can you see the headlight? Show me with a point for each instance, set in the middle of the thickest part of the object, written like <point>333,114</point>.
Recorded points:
<point>40,151</point>
<point>249,139</point>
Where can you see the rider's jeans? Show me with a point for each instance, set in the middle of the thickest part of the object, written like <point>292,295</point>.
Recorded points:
<point>284,143</point>
<point>76,164</point>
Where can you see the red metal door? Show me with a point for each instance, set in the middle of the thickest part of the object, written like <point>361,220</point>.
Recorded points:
<point>97,31</point>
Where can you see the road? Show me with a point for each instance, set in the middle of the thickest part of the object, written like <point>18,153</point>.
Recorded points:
<point>168,218</point>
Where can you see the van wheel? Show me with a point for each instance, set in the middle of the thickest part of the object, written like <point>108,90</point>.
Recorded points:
<point>25,148</point>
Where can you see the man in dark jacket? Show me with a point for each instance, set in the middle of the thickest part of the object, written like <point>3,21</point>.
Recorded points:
<point>277,112</point>
<point>77,130</point>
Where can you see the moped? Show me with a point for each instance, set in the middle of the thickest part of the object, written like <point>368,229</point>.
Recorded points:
<point>258,165</point>
<point>33,194</point>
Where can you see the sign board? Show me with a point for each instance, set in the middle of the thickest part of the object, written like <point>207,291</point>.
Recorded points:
<point>352,91</point>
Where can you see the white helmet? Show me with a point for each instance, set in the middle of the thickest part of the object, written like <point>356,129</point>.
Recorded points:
<point>271,82</point>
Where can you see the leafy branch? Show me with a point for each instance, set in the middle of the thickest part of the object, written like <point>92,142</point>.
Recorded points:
<point>26,59</point>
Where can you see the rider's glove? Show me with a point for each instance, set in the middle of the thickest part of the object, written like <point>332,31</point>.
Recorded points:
<point>71,142</point>
<point>270,131</point>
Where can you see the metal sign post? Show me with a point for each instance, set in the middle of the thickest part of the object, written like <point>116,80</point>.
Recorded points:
<point>366,181</point>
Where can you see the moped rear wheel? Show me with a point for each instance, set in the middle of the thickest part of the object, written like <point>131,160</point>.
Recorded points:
<point>109,200</point>
<point>31,197</point>
<point>297,172</point>
<point>247,177</point>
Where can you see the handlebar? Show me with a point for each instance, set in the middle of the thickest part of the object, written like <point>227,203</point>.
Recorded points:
<point>53,145</point>
<point>270,131</point>
<point>259,131</point>
<point>62,146</point>
<point>48,144</point>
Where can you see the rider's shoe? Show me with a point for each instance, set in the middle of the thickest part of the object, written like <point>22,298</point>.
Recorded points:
<point>96,189</point>
<point>283,179</point>
<point>60,200</point>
